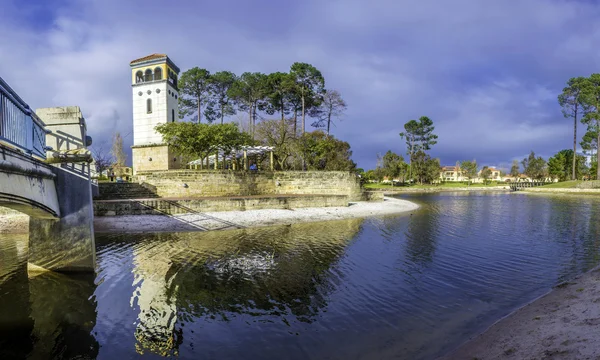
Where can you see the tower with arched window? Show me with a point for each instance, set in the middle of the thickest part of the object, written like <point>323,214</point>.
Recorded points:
<point>155,98</point>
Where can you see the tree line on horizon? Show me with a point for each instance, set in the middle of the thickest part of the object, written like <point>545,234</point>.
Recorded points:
<point>292,97</point>
<point>422,168</point>
<point>297,94</point>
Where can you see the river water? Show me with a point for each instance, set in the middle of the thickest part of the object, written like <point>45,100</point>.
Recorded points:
<point>407,287</point>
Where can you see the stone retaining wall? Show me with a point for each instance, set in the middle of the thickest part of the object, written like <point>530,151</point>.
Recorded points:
<point>199,183</point>
<point>593,184</point>
<point>182,206</point>
<point>562,190</point>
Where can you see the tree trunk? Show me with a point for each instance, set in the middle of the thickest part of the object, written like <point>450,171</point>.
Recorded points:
<point>295,122</point>
<point>250,129</point>
<point>574,142</point>
<point>328,122</point>
<point>303,114</point>
<point>222,113</point>
<point>598,158</point>
<point>199,111</point>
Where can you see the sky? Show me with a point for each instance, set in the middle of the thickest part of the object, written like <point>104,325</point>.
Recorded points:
<point>486,72</point>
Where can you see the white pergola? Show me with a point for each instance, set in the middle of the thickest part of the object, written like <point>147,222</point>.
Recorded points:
<point>243,153</point>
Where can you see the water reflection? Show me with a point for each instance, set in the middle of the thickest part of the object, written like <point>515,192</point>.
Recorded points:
<point>264,273</point>
<point>407,287</point>
<point>48,316</point>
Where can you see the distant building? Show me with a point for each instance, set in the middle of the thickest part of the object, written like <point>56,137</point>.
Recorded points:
<point>451,173</point>
<point>494,176</point>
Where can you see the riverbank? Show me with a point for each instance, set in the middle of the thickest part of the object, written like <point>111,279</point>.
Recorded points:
<point>399,190</point>
<point>563,324</point>
<point>225,220</point>
<point>545,190</point>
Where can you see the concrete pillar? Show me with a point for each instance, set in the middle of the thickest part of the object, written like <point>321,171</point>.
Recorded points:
<point>216,160</point>
<point>271,160</point>
<point>66,244</point>
<point>245,159</point>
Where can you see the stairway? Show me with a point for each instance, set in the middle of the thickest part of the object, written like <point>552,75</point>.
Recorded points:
<point>115,191</point>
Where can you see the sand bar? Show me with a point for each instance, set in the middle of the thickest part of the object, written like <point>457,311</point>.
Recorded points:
<point>563,324</point>
<point>225,220</point>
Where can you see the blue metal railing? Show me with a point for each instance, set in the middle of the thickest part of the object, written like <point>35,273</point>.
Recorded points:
<point>19,126</point>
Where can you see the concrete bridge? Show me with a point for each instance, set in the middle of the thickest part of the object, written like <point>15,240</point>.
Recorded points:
<point>51,184</point>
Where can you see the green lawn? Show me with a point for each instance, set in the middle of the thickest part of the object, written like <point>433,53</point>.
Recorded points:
<point>563,184</point>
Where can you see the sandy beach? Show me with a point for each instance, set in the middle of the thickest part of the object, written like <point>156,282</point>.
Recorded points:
<point>224,220</point>
<point>563,324</point>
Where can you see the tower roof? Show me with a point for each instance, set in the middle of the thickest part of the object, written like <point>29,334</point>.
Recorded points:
<point>149,57</point>
<point>153,58</point>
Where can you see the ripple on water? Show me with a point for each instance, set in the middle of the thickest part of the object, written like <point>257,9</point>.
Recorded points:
<point>407,287</point>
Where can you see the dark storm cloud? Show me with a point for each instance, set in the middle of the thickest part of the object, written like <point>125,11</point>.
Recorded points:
<point>487,73</point>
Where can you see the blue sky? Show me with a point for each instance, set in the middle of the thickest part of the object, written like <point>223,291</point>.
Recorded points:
<point>487,72</point>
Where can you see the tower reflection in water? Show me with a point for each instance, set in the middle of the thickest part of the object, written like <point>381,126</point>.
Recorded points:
<point>263,273</point>
<point>45,316</point>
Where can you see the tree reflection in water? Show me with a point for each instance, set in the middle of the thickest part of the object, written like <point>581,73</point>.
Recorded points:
<point>265,273</point>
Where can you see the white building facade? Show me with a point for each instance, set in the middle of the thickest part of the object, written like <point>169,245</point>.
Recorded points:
<point>155,101</point>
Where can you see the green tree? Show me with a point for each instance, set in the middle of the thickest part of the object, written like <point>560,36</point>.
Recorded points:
<point>571,103</point>
<point>323,152</point>
<point>559,165</point>
<point>332,106</point>
<point>515,170</point>
<point>393,166</point>
<point>590,99</point>
<point>270,133</point>
<point>424,168</point>
<point>278,85</point>
<point>201,140</point>
<point>468,170</point>
<point>419,136</point>
<point>194,89</point>
<point>556,167</point>
<point>534,167</point>
<point>486,173</point>
<point>249,91</point>
<point>220,103</point>
<point>589,144</point>
<point>310,85</point>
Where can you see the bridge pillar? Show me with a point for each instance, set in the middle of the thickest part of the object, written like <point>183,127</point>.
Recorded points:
<point>66,244</point>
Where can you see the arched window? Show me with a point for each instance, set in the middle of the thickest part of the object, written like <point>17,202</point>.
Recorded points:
<point>172,115</point>
<point>139,77</point>
<point>148,75</point>
<point>149,106</point>
<point>158,74</point>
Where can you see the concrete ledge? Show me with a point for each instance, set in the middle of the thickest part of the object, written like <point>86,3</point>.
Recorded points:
<point>173,206</point>
<point>561,190</point>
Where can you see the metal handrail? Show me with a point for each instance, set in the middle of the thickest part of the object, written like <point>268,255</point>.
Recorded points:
<point>19,126</point>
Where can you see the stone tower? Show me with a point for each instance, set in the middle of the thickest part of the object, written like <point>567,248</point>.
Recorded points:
<point>155,94</point>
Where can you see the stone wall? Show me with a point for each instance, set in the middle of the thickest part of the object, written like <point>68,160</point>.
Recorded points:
<point>154,158</point>
<point>182,206</point>
<point>560,190</point>
<point>594,184</point>
<point>201,183</point>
